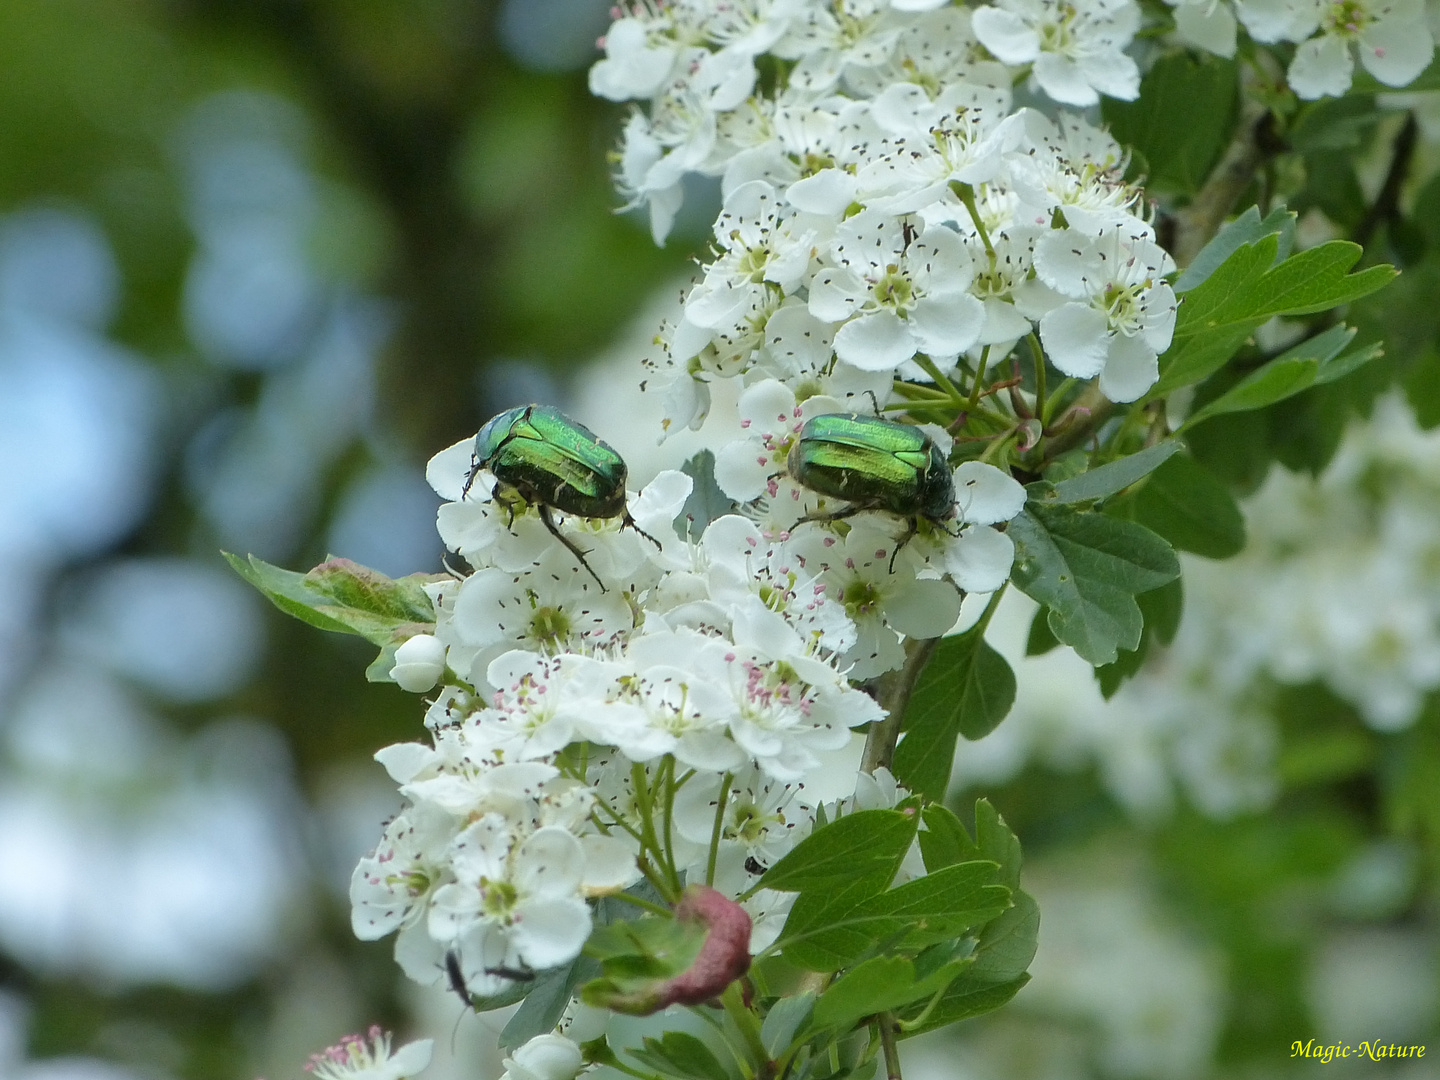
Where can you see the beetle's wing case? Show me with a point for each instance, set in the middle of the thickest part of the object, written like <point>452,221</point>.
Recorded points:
<point>548,457</point>
<point>862,459</point>
<point>494,432</point>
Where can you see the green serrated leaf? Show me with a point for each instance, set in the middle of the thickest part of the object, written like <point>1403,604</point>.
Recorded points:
<point>1422,389</point>
<point>936,907</point>
<point>965,689</point>
<point>1086,568</point>
<point>287,590</point>
<point>1115,475</point>
<point>944,904</point>
<point>1179,156</point>
<point>858,845</point>
<point>944,841</point>
<point>1187,505</point>
<point>1226,286</point>
<point>345,597</point>
<point>1162,609</point>
<point>358,588</point>
<point>1002,955</point>
<point>881,984</point>
<point>1246,229</point>
<point>997,843</point>
<point>681,1054</point>
<point>1220,313</point>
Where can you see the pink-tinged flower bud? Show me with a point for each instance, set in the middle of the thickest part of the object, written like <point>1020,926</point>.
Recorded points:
<point>723,958</point>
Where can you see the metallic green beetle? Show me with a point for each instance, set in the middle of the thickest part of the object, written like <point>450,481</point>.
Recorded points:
<point>874,464</point>
<point>542,457</point>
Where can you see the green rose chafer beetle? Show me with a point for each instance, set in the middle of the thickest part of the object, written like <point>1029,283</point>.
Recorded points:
<point>542,457</point>
<point>874,464</point>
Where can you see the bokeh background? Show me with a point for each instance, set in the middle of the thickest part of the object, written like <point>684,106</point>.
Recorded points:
<point>260,258</point>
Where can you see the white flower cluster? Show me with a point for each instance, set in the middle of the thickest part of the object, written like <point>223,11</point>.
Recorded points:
<point>1393,37</point>
<point>664,725</point>
<point>887,207</point>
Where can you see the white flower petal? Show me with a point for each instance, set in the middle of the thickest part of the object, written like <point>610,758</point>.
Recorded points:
<point>768,405</point>
<point>986,495</point>
<point>946,325</point>
<point>1132,368</point>
<point>446,471</point>
<point>1208,25</point>
<point>923,608</point>
<point>741,470</point>
<point>836,294</point>
<point>1396,50</point>
<point>979,560</point>
<point>551,931</point>
<point>1076,339</point>
<point>875,342</point>
<point>1322,67</point>
<point>1003,322</point>
<point>609,863</point>
<point>1006,35</point>
<point>1062,79</point>
<point>826,193</point>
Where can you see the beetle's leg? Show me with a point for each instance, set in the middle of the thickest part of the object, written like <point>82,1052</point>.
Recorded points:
<point>839,515</point>
<point>630,521</point>
<point>470,476</point>
<point>580,555</point>
<point>513,974</point>
<point>909,534</point>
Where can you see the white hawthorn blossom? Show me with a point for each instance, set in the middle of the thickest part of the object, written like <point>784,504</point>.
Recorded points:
<point>1075,50</point>
<point>1117,313</point>
<point>1392,37</point>
<point>897,291</point>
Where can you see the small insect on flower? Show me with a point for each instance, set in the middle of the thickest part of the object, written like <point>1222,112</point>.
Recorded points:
<point>874,464</point>
<point>542,458</point>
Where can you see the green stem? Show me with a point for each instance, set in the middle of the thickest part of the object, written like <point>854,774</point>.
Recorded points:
<point>1055,399</point>
<point>886,1023</point>
<point>941,379</point>
<point>644,799</point>
<point>667,770</point>
<point>893,696</point>
<point>966,195</point>
<point>718,827</point>
<point>1039,354</point>
<point>979,377</point>
<point>641,902</point>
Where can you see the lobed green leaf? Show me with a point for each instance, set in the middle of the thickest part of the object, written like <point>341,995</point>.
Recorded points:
<point>967,688</point>
<point>861,845</point>
<point>1086,569</point>
<point>1115,475</point>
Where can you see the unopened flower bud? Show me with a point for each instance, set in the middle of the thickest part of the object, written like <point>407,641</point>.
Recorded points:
<point>419,663</point>
<point>545,1057</point>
